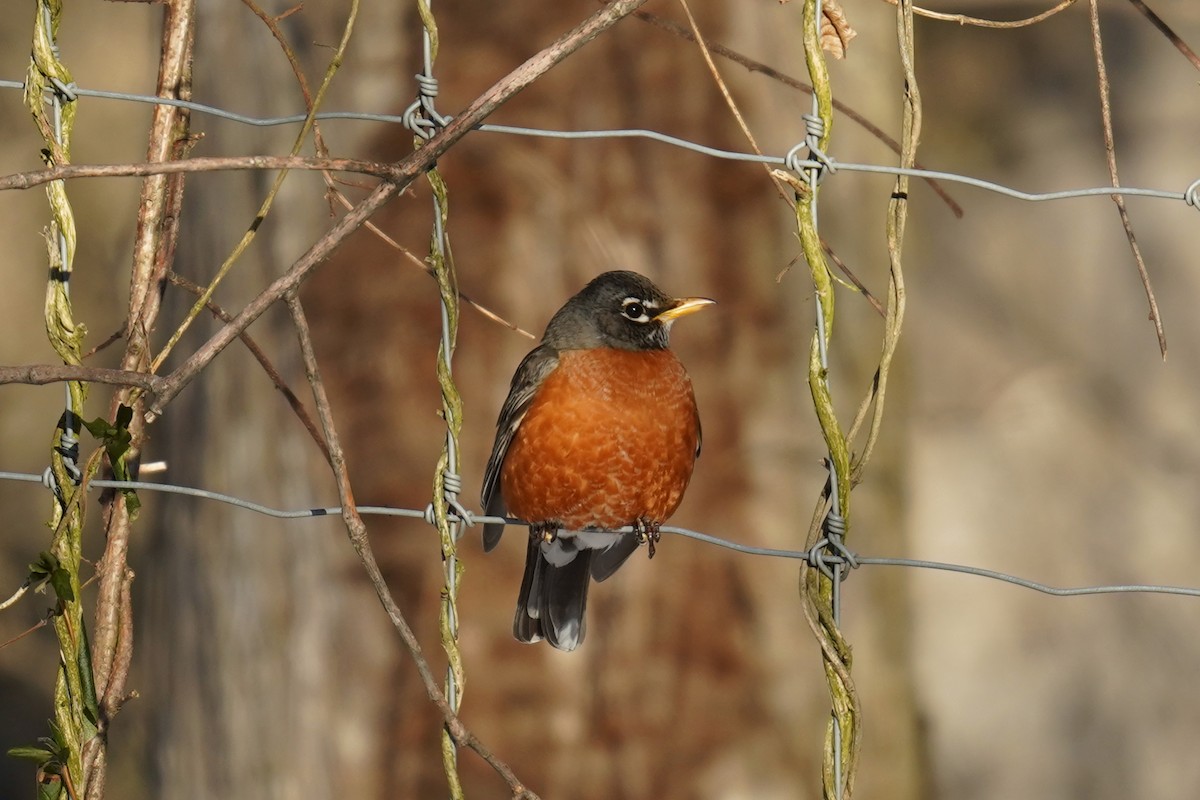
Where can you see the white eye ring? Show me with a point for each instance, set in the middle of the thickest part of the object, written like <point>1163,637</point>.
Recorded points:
<point>636,309</point>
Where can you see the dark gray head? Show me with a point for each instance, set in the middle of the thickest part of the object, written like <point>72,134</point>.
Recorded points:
<point>619,309</point>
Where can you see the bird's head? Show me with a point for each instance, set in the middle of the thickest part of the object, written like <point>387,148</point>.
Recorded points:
<point>622,310</point>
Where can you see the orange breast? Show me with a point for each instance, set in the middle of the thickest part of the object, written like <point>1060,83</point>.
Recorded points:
<point>610,438</point>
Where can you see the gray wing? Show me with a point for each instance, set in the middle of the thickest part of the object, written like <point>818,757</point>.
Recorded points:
<point>540,362</point>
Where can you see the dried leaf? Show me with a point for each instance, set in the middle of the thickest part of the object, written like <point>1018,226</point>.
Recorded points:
<point>836,32</point>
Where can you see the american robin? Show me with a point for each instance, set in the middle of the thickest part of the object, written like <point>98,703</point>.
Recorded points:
<point>599,432</point>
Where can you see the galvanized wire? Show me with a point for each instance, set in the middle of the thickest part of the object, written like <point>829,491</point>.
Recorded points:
<point>1189,195</point>
<point>705,538</point>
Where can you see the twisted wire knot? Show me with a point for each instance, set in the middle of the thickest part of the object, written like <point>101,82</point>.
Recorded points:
<point>421,117</point>
<point>830,553</point>
<point>814,126</point>
<point>66,91</point>
<point>451,486</point>
<point>814,129</point>
<point>1191,195</point>
<point>427,85</point>
<point>68,448</point>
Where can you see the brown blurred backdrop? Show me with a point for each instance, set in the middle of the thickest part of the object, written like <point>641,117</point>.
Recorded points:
<point>1032,427</point>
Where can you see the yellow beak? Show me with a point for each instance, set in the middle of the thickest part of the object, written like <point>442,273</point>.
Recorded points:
<point>683,307</point>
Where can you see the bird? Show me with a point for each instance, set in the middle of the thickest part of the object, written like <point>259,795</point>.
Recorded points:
<point>599,432</point>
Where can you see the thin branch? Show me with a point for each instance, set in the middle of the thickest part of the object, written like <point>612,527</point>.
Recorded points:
<point>289,281</point>
<point>332,191</point>
<point>264,208</point>
<point>114,695</point>
<point>774,74</point>
<point>854,280</point>
<point>28,180</point>
<point>39,624</point>
<point>728,97</point>
<point>1110,152</point>
<point>155,239</point>
<point>963,19</point>
<point>42,374</point>
<point>404,173</point>
<point>356,529</point>
<point>17,595</point>
<point>428,270</point>
<point>1165,29</point>
<point>261,357</point>
<point>272,24</point>
<point>115,336</point>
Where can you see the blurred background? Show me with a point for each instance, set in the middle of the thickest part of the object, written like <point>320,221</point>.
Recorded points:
<point>1031,427</point>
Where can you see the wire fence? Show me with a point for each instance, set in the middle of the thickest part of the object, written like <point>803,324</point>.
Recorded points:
<point>815,557</point>
<point>808,164</point>
<point>1190,194</point>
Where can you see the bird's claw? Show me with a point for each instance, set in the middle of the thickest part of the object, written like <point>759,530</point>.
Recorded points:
<point>647,533</point>
<point>546,533</point>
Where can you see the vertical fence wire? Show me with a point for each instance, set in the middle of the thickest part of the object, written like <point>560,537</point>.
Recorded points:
<point>814,176</point>
<point>823,589</point>
<point>76,714</point>
<point>446,512</point>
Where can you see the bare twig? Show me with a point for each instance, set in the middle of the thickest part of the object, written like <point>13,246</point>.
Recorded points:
<point>39,624</point>
<point>780,186</point>
<point>261,357</point>
<point>310,105</point>
<point>1165,29</point>
<point>774,74</point>
<point>114,696</point>
<point>1110,152</point>
<point>28,180</point>
<point>42,374</point>
<point>154,249</point>
<point>404,173</point>
<point>17,595</point>
<point>843,735</point>
<point>264,208</point>
<point>332,190</point>
<point>289,281</point>
<point>963,19</point>
<point>854,279</point>
<point>115,336</point>
<point>428,270</point>
<point>357,531</point>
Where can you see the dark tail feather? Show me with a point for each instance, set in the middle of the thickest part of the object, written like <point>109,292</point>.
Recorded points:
<point>553,600</point>
<point>527,626</point>
<point>609,561</point>
<point>492,531</point>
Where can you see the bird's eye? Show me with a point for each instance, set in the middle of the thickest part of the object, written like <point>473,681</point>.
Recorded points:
<point>635,310</point>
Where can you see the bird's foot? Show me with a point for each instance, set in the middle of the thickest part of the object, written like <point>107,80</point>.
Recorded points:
<point>546,532</point>
<point>648,534</point>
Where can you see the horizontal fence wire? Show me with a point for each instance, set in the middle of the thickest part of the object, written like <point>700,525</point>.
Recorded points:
<point>814,558</point>
<point>1189,195</point>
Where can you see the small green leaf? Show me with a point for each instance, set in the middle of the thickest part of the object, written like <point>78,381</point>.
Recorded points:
<point>117,440</point>
<point>50,788</point>
<point>60,579</point>
<point>36,754</point>
<point>132,504</point>
<point>99,428</point>
<point>44,567</point>
<point>91,703</point>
